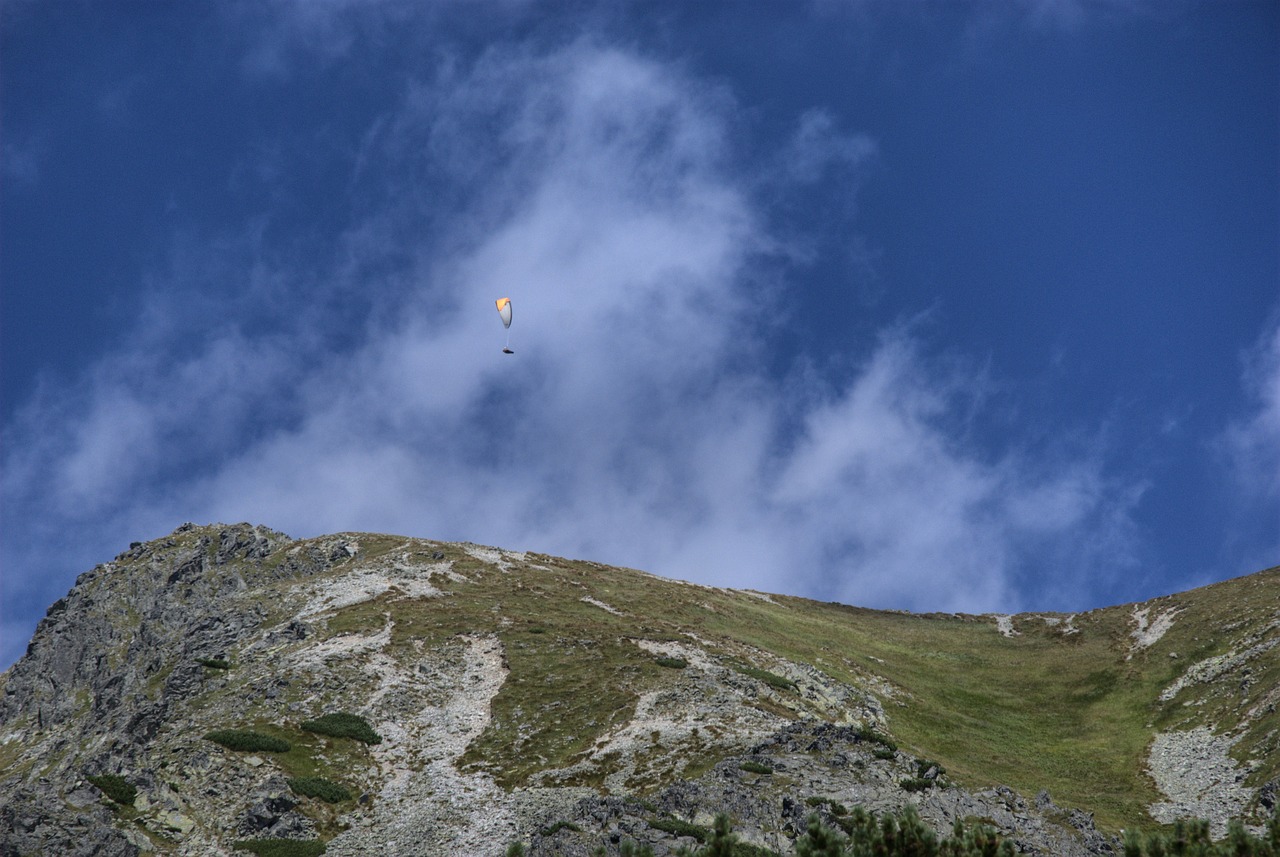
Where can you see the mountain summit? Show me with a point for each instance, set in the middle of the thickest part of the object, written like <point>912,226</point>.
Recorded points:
<point>227,686</point>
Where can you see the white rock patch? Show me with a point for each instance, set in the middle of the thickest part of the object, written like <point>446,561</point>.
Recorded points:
<point>314,657</point>
<point>1004,624</point>
<point>589,600</point>
<point>426,806</point>
<point>1210,668</point>
<point>494,556</point>
<point>1195,771</point>
<point>695,655</point>
<point>366,584</point>
<point>1055,621</point>
<point>763,596</point>
<point>1146,634</point>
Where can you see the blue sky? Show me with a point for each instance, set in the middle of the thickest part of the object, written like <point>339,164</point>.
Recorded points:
<point>920,305</point>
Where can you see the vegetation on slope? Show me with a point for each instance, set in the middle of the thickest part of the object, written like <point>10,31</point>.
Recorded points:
<point>343,724</point>
<point>115,787</point>
<point>248,740</point>
<point>1067,704</point>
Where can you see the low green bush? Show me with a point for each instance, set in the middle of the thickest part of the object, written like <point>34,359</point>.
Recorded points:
<point>1192,838</point>
<point>673,663</point>
<point>281,847</point>
<point>833,806</point>
<point>923,766</point>
<point>318,787</point>
<point>248,740</point>
<point>629,848</point>
<point>115,787</point>
<point>721,842</point>
<point>676,827</point>
<point>342,724</point>
<point>771,679</point>
<point>871,736</point>
<point>897,835</point>
<point>214,663</point>
<point>905,835</point>
<point>756,767</point>
<point>916,784</point>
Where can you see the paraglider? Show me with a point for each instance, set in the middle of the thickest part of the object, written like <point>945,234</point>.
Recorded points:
<point>504,310</point>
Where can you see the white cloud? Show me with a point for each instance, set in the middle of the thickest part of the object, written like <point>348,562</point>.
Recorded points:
<point>21,162</point>
<point>1253,443</point>
<point>636,423</point>
<point>819,147</point>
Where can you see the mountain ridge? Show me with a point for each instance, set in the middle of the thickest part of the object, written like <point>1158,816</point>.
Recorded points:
<point>517,691</point>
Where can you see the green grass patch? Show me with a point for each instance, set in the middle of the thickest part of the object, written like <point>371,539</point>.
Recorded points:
<point>115,787</point>
<point>319,787</point>
<point>672,663</point>
<point>281,847</point>
<point>756,767</point>
<point>342,724</point>
<point>249,741</point>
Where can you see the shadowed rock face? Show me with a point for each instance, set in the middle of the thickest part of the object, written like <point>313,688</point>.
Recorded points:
<point>518,696</point>
<point>809,762</point>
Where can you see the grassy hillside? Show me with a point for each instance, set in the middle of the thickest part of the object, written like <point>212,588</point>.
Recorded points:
<point>1067,703</point>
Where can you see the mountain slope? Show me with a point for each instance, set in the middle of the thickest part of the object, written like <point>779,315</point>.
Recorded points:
<point>521,696</point>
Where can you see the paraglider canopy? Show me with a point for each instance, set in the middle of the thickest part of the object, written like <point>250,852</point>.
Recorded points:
<point>504,310</point>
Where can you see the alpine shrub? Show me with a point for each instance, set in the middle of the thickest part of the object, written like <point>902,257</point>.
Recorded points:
<point>871,736</point>
<point>248,740</point>
<point>342,724</point>
<point>318,787</point>
<point>115,787</point>
<point>771,679</point>
<point>1192,838</point>
<point>756,767</point>
<point>676,827</point>
<point>281,847</point>
<point>833,806</point>
<point>721,843</point>
<point>915,784</point>
<point>902,835</point>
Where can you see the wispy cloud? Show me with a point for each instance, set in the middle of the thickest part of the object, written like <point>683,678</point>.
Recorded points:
<point>21,163</point>
<point>638,422</point>
<point>1251,445</point>
<point>1255,440</point>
